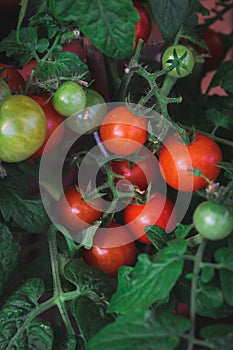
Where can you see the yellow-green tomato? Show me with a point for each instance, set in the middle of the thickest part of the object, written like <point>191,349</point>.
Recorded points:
<point>4,89</point>
<point>89,119</point>
<point>23,128</point>
<point>69,98</point>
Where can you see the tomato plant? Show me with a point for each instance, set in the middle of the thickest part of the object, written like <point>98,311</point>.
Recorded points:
<point>4,89</point>
<point>112,248</point>
<point>69,98</point>
<point>181,57</point>
<point>75,212</point>
<point>177,161</point>
<point>122,132</point>
<point>213,220</point>
<point>23,128</point>
<point>54,120</point>
<point>143,26</point>
<point>13,78</point>
<point>140,172</point>
<point>157,211</point>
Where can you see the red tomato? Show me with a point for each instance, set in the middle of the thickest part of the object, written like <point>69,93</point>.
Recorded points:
<point>54,119</point>
<point>157,211</point>
<point>76,213</point>
<point>13,78</point>
<point>112,248</point>
<point>140,173</point>
<point>122,132</point>
<point>216,49</point>
<point>176,159</point>
<point>143,26</point>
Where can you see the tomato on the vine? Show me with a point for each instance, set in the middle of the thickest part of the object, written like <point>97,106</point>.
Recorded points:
<point>12,77</point>
<point>213,220</point>
<point>159,210</point>
<point>69,98</point>
<point>182,57</point>
<point>177,161</point>
<point>88,120</point>
<point>23,128</point>
<point>140,172</point>
<point>54,120</point>
<point>215,45</point>
<point>112,248</point>
<point>122,132</point>
<point>143,26</point>
<point>76,212</point>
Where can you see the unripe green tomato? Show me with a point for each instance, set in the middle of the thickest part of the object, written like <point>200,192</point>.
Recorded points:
<point>4,89</point>
<point>182,56</point>
<point>23,128</point>
<point>69,98</point>
<point>213,220</point>
<point>89,119</point>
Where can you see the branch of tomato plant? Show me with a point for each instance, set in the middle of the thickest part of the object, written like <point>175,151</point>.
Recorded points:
<point>218,14</point>
<point>194,288</point>
<point>57,287</point>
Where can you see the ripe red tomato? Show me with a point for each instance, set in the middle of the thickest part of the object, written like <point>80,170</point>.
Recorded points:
<point>143,26</point>
<point>176,159</point>
<point>122,132</point>
<point>216,49</point>
<point>12,77</point>
<point>76,213</point>
<point>140,173</point>
<point>112,248</point>
<point>157,211</point>
<point>54,119</point>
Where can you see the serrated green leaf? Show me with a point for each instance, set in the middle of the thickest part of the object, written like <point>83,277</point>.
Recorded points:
<point>90,316</point>
<point>157,235</point>
<point>209,300</point>
<point>224,256</point>
<point>103,22</point>
<point>89,280</point>
<point>149,281</point>
<point>44,22</point>
<point>9,251</point>
<point>43,45</point>
<point>18,330</point>
<point>226,280</point>
<point>223,77</point>
<point>142,330</point>
<point>172,15</point>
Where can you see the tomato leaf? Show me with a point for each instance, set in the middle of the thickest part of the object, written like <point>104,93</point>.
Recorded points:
<point>109,25</point>
<point>141,330</point>
<point>149,281</point>
<point>90,317</point>
<point>224,256</point>
<point>223,77</point>
<point>219,336</point>
<point>219,118</point>
<point>157,235</point>
<point>172,15</point>
<point>18,331</point>
<point>29,214</point>
<point>9,251</point>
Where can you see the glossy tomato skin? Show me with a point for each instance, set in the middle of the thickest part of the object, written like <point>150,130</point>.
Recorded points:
<point>13,78</point>
<point>140,173</point>
<point>89,119</point>
<point>157,211</point>
<point>176,159</point>
<point>213,220</point>
<point>184,55</point>
<point>143,26</point>
<point>122,132</point>
<point>54,120</point>
<point>76,213</point>
<point>112,248</point>
<point>69,98</point>
<point>23,128</point>
<point>216,49</point>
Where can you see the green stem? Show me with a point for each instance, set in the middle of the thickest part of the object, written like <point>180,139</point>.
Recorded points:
<point>168,83</point>
<point>24,4</point>
<point>216,138</point>
<point>194,285</point>
<point>57,287</point>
